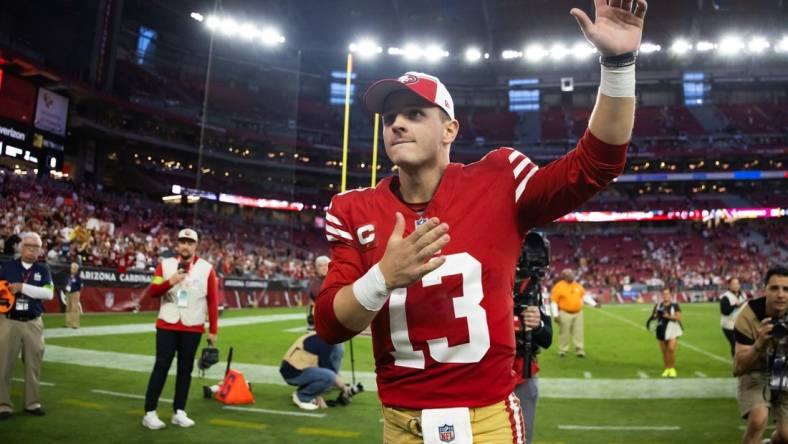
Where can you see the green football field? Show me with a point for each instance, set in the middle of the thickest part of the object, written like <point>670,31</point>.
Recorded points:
<point>94,379</point>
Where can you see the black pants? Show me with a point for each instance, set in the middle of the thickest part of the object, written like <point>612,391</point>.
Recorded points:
<point>731,339</point>
<point>167,343</point>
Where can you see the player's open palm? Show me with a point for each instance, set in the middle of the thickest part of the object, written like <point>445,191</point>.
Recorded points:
<point>407,259</point>
<point>618,26</point>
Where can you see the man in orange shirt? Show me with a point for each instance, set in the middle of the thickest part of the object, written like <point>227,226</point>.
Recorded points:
<point>568,295</point>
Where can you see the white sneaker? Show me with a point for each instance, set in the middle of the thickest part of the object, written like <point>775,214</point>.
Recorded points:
<point>180,418</point>
<point>151,420</point>
<point>310,405</point>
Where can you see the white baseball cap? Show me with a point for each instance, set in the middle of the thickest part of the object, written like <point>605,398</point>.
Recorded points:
<point>426,86</point>
<point>188,233</point>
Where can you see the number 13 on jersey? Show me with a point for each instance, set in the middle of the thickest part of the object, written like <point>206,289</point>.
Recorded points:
<point>467,306</point>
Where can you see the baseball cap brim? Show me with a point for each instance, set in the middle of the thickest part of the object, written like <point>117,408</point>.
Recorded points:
<point>376,95</point>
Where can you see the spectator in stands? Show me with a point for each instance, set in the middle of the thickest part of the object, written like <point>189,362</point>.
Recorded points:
<point>312,365</point>
<point>73,288</point>
<point>730,303</point>
<point>321,269</point>
<point>754,342</point>
<point>668,316</point>
<point>22,329</point>
<point>10,243</point>
<point>568,295</point>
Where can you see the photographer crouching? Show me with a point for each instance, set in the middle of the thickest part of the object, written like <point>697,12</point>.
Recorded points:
<point>312,365</point>
<point>761,332</point>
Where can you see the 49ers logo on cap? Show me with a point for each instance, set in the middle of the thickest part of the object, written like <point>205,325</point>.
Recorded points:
<point>408,79</point>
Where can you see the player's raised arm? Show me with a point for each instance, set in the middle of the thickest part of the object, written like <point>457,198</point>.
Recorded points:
<point>616,33</point>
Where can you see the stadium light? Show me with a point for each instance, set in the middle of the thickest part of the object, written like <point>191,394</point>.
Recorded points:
<point>704,46</point>
<point>197,16</point>
<point>648,48</point>
<point>228,26</point>
<point>730,46</point>
<point>473,55</point>
<point>582,50</point>
<point>680,47</point>
<point>559,52</point>
<point>758,45</point>
<point>268,36</point>
<point>411,52</point>
<point>365,48</point>
<point>433,53</point>
<point>535,53</point>
<point>509,54</point>
<point>782,45</point>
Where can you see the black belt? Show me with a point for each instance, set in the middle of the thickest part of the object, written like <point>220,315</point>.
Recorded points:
<point>16,317</point>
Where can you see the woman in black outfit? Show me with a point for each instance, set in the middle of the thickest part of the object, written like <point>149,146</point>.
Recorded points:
<point>668,316</point>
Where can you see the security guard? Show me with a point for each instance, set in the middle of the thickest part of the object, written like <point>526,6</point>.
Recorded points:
<point>22,327</point>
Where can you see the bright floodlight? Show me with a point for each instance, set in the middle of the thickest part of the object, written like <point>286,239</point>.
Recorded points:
<point>730,46</point>
<point>647,48</point>
<point>366,48</point>
<point>704,46</point>
<point>510,54</point>
<point>411,52</point>
<point>197,16</point>
<point>782,45</point>
<point>247,31</point>
<point>680,47</point>
<point>433,53</point>
<point>559,52</point>
<point>228,26</point>
<point>535,53</point>
<point>473,55</point>
<point>758,45</point>
<point>582,50</point>
<point>213,22</point>
<point>271,36</point>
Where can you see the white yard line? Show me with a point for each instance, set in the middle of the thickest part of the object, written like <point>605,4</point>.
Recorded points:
<point>46,384</point>
<point>587,375</point>
<point>636,388</point>
<point>706,388</point>
<point>266,374</point>
<point>682,342</point>
<point>642,375</point>
<point>126,395</point>
<point>151,327</point>
<point>701,375</point>
<point>627,428</point>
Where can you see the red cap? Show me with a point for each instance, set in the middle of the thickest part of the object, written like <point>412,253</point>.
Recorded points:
<point>426,86</point>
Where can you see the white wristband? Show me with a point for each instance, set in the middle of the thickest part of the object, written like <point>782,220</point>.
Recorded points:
<point>618,82</point>
<point>370,290</point>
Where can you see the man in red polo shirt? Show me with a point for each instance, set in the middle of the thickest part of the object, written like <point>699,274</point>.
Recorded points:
<point>187,287</point>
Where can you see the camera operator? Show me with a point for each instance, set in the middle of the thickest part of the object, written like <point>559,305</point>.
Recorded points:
<point>527,389</point>
<point>313,366</point>
<point>761,334</point>
<point>730,303</point>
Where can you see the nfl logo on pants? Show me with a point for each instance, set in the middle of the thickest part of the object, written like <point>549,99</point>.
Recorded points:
<point>446,433</point>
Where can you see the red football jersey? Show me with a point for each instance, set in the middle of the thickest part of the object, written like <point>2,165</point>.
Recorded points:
<point>448,340</point>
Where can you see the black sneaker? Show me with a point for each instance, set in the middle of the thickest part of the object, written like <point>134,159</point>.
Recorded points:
<point>36,412</point>
<point>5,415</point>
